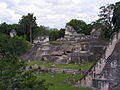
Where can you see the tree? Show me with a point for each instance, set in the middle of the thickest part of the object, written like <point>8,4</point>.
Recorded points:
<point>5,28</point>
<point>28,24</point>
<point>17,28</point>
<point>54,35</point>
<point>61,33</point>
<point>105,20</point>
<point>79,25</point>
<point>13,73</point>
<point>116,17</point>
<point>106,15</point>
<point>41,31</point>
<point>14,76</point>
<point>13,46</point>
<point>110,18</point>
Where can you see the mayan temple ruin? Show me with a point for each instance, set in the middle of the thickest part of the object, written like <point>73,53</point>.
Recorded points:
<point>79,48</point>
<point>72,48</point>
<point>60,45</point>
<point>104,75</point>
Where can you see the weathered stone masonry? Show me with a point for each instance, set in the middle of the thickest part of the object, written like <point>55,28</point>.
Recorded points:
<point>94,72</point>
<point>73,48</point>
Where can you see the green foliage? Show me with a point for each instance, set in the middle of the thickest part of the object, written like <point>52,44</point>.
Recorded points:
<point>41,31</point>
<point>58,81</point>
<point>18,29</point>
<point>28,24</point>
<point>80,26</point>
<point>5,28</point>
<point>66,66</point>
<point>8,67</point>
<point>61,32</point>
<point>116,17</point>
<point>14,46</point>
<point>110,18</point>
<point>28,29</point>
<point>105,15</point>
<point>106,21</point>
<point>13,75</point>
<point>53,34</point>
<point>12,71</point>
<point>97,24</point>
<point>106,33</point>
<point>88,30</point>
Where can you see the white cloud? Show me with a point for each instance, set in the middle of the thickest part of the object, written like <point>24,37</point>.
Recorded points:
<point>8,15</point>
<point>53,13</point>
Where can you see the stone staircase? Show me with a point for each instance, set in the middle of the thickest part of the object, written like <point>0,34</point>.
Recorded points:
<point>30,54</point>
<point>109,78</point>
<point>97,68</point>
<point>36,52</point>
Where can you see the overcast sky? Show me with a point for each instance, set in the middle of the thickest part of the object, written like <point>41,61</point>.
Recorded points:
<point>52,13</point>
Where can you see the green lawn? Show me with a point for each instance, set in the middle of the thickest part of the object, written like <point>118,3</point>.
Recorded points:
<point>67,66</point>
<point>40,63</point>
<point>87,66</point>
<point>73,66</point>
<point>58,81</point>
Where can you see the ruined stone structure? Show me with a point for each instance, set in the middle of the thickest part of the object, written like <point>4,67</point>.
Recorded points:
<point>69,30</point>
<point>41,39</point>
<point>104,74</point>
<point>72,35</point>
<point>78,48</point>
<point>42,69</point>
<point>73,48</point>
<point>13,33</point>
<point>67,71</point>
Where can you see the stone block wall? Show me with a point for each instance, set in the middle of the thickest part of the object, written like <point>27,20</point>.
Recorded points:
<point>97,68</point>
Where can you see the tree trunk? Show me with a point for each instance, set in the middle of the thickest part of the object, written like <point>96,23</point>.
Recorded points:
<point>30,34</point>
